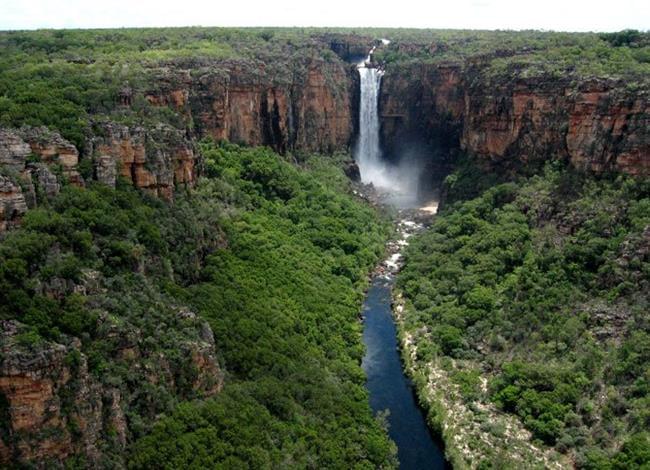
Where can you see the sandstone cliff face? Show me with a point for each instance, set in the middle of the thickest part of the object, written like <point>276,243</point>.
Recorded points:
<point>51,407</point>
<point>13,154</point>
<point>27,157</point>
<point>597,125</point>
<point>154,159</point>
<point>323,120</point>
<point>421,104</point>
<point>307,109</point>
<point>51,148</point>
<point>12,203</point>
<point>32,384</point>
<point>608,128</point>
<point>13,151</point>
<point>349,47</point>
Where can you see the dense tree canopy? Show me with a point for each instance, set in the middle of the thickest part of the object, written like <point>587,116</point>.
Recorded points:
<point>543,286</point>
<point>274,257</point>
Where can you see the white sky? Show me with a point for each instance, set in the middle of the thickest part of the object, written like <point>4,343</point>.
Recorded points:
<point>559,15</point>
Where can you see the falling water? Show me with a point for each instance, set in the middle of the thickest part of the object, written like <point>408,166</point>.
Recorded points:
<point>373,170</point>
<point>399,183</point>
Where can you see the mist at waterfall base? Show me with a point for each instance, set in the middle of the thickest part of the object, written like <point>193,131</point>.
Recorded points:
<point>398,182</point>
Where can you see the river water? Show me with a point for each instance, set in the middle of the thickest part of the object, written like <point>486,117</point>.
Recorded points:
<point>387,384</point>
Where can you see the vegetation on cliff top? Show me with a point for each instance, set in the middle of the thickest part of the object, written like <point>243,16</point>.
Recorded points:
<point>274,257</point>
<point>508,54</point>
<point>65,78</point>
<point>542,287</point>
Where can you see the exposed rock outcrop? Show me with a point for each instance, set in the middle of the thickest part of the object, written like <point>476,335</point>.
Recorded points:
<point>154,159</point>
<point>31,158</point>
<point>349,47</point>
<point>45,179</point>
<point>307,108</point>
<point>51,148</point>
<point>13,151</point>
<point>12,203</point>
<point>422,106</point>
<point>597,125</point>
<point>609,128</point>
<point>352,170</point>
<point>29,386</point>
<point>52,407</point>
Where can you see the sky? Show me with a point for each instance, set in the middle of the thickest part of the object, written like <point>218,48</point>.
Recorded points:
<point>557,15</point>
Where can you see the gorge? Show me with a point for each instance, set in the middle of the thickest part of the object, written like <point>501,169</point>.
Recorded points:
<point>183,261</point>
<point>390,390</point>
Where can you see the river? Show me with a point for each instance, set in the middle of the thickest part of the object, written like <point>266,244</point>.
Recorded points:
<point>390,389</point>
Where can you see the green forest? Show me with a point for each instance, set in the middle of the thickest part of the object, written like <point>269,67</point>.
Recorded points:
<point>541,285</point>
<point>529,290</point>
<point>272,255</point>
<point>507,54</point>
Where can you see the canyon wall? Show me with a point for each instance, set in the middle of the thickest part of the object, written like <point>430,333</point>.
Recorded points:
<point>307,108</point>
<point>29,158</point>
<point>155,159</point>
<point>311,105</point>
<point>597,125</point>
<point>39,161</point>
<point>52,407</point>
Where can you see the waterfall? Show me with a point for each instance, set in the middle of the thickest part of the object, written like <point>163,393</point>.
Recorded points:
<point>373,168</point>
<point>368,152</point>
<point>398,182</point>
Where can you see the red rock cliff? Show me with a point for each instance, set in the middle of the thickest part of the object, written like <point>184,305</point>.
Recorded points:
<point>307,108</point>
<point>154,159</point>
<point>597,125</point>
<point>52,407</point>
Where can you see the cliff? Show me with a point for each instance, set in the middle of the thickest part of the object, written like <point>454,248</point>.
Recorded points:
<point>598,125</point>
<point>150,136</point>
<point>154,159</point>
<point>28,157</point>
<point>38,161</point>
<point>306,107</point>
<point>52,407</point>
<point>12,203</point>
<point>57,399</point>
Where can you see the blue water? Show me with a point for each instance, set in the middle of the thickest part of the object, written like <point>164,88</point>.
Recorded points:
<point>390,389</point>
